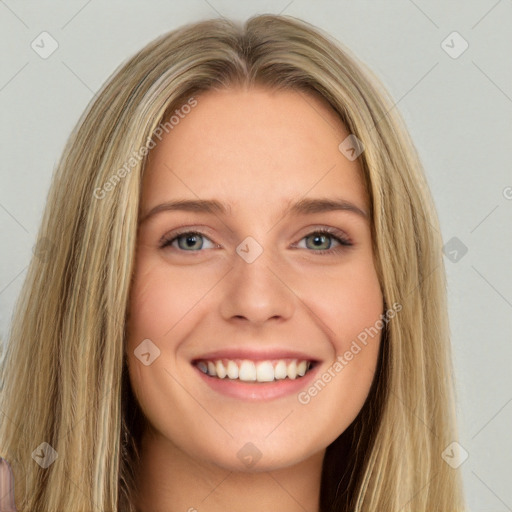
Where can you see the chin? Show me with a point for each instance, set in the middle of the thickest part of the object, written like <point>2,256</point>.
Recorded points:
<point>256,454</point>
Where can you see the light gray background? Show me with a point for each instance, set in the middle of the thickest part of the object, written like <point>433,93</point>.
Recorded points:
<point>458,110</point>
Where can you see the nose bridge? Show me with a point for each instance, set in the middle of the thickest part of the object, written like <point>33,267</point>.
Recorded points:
<point>255,290</point>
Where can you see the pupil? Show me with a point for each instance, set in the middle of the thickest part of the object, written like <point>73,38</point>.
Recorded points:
<point>191,240</point>
<point>318,239</point>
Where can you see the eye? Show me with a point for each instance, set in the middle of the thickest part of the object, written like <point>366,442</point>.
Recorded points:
<point>320,241</point>
<point>190,241</point>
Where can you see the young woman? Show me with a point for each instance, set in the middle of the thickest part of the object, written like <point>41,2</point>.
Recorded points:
<point>237,298</point>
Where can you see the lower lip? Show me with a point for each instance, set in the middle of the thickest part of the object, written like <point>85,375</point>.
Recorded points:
<point>258,390</point>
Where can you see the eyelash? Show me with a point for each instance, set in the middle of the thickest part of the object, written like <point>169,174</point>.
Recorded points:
<point>344,242</point>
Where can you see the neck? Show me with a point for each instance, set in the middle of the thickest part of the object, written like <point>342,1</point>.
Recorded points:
<point>170,480</point>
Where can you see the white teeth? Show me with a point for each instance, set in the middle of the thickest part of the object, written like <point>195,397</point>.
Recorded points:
<point>264,372</point>
<point>221,371</point>
<point>291,370</point>
<point>302,368</point>
<point>232,370</point>
<point>280,370</point>
<point>247,371</point>
<point>251,371</point>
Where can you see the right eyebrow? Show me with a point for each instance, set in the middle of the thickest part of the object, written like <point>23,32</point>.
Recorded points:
<point>188,205</point>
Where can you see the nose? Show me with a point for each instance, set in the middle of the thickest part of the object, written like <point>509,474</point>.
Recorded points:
<point>256,292</point>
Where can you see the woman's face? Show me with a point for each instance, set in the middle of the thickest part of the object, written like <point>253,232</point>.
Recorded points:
<point>258,293</point>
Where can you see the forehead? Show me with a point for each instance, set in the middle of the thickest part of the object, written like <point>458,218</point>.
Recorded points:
<point>253,148</point>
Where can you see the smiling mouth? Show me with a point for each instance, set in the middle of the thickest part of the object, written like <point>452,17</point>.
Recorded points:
<point>246,370</point>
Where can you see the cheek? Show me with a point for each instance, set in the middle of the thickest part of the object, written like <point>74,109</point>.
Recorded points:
<point>347,302</point>
<point>162,296</point>
<point>350,306</point>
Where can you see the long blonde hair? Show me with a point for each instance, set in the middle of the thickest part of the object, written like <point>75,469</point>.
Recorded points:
<point>65,375</point>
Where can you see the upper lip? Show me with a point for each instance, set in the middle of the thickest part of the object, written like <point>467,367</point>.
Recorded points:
<point>255,354</point>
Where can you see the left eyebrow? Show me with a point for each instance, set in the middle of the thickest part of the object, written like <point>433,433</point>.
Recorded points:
<point>302,207</point>
<point>309,206</point>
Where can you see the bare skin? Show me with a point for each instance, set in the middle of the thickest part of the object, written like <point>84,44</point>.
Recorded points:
<point>259,152</point>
